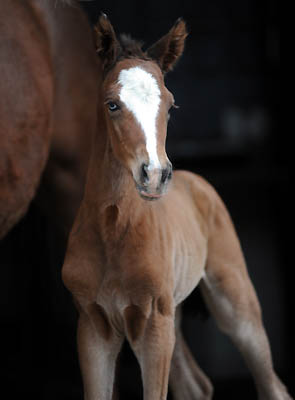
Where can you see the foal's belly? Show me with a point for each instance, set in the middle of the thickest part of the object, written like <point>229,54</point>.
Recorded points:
<point>189,265</point>
<point>189,245</point>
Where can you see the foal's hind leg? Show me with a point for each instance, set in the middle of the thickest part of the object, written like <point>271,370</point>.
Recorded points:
<point>187,381</point>
<point>232,300</point>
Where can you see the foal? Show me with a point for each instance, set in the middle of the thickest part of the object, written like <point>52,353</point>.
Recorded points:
<point>131,261</point>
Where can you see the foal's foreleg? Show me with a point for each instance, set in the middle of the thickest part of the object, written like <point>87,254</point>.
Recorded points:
<point>232,300</point>
<point>152,340</point>
<point>98,347</point>
<point>187,380</point>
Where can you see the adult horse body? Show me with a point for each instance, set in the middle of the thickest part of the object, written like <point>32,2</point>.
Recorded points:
<point>48,97</point>
<point>130,262</point>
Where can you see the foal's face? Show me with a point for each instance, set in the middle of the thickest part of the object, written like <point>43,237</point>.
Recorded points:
<point>137,105</point>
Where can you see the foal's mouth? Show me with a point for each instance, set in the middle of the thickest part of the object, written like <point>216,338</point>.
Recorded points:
<point>148,196</point>
<point>144,194</point>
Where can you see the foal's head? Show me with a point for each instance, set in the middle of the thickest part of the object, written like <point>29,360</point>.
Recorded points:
<point>137,103</point>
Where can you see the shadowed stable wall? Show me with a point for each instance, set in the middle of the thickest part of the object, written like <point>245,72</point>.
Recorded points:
<point>228,130</point>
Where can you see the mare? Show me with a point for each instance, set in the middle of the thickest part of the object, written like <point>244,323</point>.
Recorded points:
<point>48,96</point>
<point>143,240</point>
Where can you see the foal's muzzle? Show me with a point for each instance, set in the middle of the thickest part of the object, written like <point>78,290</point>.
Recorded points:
<point>153,181</point>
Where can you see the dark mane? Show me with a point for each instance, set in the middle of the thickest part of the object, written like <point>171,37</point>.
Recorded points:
<point>131,48</point>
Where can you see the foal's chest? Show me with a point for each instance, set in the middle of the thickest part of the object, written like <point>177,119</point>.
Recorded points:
<point>166,253</point>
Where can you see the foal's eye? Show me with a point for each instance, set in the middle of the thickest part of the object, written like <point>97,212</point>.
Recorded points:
<point>113,106</point>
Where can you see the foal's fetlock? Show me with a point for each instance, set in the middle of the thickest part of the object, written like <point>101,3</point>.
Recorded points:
<point>208,391</point>
<point>276,391</point>
<point>281,392</point>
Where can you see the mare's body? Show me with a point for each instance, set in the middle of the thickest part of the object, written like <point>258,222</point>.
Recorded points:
<point>48,95</point>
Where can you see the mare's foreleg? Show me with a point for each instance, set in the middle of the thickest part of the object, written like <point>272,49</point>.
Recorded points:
<point>232,300</point>
<point>187,381</point>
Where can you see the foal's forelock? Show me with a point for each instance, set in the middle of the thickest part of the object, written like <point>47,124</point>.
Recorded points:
<point>140,93</point>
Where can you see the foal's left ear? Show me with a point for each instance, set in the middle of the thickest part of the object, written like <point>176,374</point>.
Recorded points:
<point>169,48</point>
<point>107,45</point>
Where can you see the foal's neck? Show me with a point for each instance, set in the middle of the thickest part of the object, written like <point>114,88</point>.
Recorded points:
<point>111,190</point>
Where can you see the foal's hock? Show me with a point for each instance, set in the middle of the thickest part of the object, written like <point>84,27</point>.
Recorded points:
<point>143,240</point>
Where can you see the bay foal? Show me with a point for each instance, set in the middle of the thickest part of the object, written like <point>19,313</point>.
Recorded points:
<point>143,240</point>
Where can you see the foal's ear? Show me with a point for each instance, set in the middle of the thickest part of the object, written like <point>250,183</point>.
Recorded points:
<point>169,48</point>
<point>107,45</point>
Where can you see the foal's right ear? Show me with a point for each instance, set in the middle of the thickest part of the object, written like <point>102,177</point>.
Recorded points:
<point>107,45</point>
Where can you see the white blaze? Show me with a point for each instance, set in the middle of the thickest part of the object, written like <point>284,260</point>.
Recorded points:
<point>141,95</point>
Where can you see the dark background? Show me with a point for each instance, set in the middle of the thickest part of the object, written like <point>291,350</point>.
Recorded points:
<point>228,129</point>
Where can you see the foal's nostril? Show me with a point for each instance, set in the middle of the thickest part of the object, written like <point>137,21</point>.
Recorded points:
<point>144,173</point>
<point>166,174</point>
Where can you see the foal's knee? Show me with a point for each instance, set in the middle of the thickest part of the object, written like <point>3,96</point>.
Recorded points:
<point>135,321</point>
<point>138,318</point>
